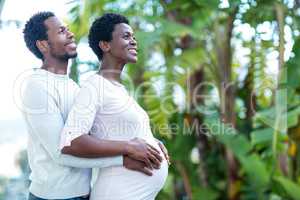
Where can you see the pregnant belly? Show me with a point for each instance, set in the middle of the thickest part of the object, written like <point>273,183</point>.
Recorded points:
<point>119,183</point>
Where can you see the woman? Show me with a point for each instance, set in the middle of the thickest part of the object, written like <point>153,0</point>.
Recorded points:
<point>104,108</point>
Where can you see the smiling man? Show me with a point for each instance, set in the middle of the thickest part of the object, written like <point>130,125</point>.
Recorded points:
<point>47,98</point>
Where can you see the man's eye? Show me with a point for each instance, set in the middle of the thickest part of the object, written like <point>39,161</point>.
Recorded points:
<point>62,30</point>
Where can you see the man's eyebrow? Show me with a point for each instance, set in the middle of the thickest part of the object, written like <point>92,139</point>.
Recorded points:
<point>63,27</point>
<point>128,32</point>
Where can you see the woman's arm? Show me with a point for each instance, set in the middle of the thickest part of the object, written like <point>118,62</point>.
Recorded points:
<point>76,141</point>
<point>92,147</point>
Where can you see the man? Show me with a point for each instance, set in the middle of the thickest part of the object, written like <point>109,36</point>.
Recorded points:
<point>47,98</point>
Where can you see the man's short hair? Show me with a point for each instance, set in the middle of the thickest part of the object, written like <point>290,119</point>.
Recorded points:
<point>35,29</point>
<point>102,29</point>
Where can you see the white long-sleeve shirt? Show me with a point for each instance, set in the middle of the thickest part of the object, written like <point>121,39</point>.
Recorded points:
<point>105,109</point>
<point>47,99</point>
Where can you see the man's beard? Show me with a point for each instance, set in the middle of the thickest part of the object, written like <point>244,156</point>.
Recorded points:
<point>64,57</point>
<point>68,56</point>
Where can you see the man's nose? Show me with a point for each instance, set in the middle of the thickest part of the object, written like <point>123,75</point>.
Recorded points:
<point>70,34</point>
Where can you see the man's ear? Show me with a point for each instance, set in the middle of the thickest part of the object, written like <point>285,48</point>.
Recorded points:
<point>104,46</point>
<point>42,45</point>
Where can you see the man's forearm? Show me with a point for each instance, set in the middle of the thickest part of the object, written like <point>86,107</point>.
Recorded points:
<point>88,146</point>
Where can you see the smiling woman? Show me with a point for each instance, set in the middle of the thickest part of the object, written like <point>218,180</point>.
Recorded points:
<point>104,108</point>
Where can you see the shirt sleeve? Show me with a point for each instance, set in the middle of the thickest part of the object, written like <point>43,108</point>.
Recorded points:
<point>45,121</point>
<point>82,114</point>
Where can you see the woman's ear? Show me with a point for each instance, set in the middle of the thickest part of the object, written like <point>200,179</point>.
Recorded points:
<point>104,46</point>
<point>42,45</point>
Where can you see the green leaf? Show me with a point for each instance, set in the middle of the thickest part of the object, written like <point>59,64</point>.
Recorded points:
<point>293,69</point>
<point>261,136</point>
<point>241,148</point>
<point>292,117</point>
<point>256,171</point>
<point>291,188</point>
<point>204,193</point>
<point>266,117</point>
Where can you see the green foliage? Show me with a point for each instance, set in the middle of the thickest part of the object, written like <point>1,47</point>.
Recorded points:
<point>242,149</point>
<point>189,36</point>
<point>261,136</point>
<point>292,67</point>
<point>205,193</point>
<point>292,190</point>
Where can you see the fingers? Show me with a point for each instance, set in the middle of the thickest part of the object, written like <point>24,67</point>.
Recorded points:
<point>165,152</point>
<point>148,163</point>
<point>146,171</point>
<point>152,148</point>
<point>155,152</point>
<point>136,165</point>
<point>154,161</point>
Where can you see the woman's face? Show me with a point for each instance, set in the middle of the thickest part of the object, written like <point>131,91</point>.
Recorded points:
<point>123,45</point>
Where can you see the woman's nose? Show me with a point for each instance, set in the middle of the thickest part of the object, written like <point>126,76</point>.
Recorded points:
<point>133,42</point>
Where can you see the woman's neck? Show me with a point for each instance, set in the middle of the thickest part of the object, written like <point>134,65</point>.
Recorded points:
<point>111,70</point>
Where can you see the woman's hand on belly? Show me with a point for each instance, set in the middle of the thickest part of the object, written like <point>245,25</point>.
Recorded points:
<point>136,165</point>
<point>140,150</point>
<point>164,150</point>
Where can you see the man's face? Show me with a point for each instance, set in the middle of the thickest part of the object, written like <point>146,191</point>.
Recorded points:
<point>60,40</point>
<point>123,44</point>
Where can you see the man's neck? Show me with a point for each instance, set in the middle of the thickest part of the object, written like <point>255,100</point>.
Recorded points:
<point>56,66</point>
